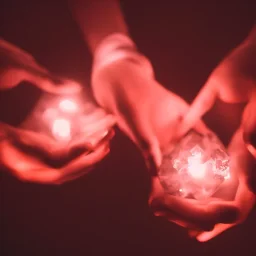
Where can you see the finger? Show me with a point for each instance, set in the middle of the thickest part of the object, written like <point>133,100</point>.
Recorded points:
<point>11,49</point>
<point>75,176</point>
<point>203,216</point>
<point>98,125</point>
<point>203,102</point>
<point>25,68</point>
<point>218,229</point>
<point>94,115</point>
<point>34,141</point>
<point>29,169</point>
<point>11,77</point>
<point>84,164</point>
<point>99,138</point>
<point>175,218</point>
<point>85,161</point>
<point>243,164</point>
<point>52,84</point>
<point>25,167</point>
<point>244,200</point>
<point>141,132</point>
<point>93,141</point>
<point>190,210</point>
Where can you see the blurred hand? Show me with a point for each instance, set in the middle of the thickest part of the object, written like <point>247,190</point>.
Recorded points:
<point>234,81</point>
<point>17,145</point>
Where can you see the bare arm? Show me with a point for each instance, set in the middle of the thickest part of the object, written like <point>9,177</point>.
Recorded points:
<point>98,19</point>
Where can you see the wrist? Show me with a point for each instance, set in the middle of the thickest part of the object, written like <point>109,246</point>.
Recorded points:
<point>119,47</point>
<point>116,63</point>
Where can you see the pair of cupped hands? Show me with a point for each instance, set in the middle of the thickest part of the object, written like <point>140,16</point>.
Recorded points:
<point>153,118</point>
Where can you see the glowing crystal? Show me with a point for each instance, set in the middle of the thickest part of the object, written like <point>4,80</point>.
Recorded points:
<point>196,167</point>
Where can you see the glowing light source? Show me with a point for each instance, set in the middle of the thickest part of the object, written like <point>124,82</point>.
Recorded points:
<point>68,105</point>
<point>63,119</point>
<point>61,129</point>
<point>66,119</point>
<point>196,167</point>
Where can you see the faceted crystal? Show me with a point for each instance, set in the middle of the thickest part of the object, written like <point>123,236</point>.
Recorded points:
<point>196,167</point>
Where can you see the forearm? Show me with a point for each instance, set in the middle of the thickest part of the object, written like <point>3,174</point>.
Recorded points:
<point>97,19</point>
<point>114,52</point>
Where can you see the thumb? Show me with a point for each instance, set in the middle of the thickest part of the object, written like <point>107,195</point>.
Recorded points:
<point>53,84</point>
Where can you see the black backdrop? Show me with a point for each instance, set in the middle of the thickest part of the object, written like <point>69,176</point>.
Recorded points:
<point>106,213</point>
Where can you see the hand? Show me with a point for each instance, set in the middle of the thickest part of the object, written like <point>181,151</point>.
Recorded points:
<point>24,153</point>
<point>152,117</point>
<point>234,80</point>
<point>17,65</point>
<point>242,165</point>
<point>147,112</point>
<point>18,146</point>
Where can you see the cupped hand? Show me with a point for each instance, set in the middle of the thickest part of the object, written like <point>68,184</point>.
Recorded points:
<point>234,81</point>
<point>17,145</point>
<point>153,118</point>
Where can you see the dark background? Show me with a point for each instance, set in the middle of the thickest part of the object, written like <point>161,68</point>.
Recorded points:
<point>106,212</point>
